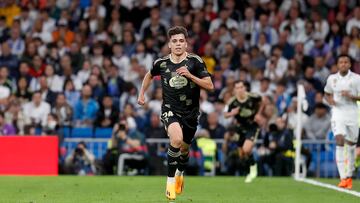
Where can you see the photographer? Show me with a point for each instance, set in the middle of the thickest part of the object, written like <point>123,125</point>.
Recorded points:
<point>127,150</point>
<point>80,161</point>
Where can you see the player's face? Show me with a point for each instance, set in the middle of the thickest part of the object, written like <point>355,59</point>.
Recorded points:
<point>343,64</point>
<point>240,88</point>
<point>177,44</point>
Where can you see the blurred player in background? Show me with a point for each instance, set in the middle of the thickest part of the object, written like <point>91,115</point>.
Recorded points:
<point>342,90</point>
<point>182,76</point>
<point>245,107</point>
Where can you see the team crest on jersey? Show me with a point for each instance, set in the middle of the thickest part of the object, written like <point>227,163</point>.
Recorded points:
<point>163,64</point>
<point>178,82</point>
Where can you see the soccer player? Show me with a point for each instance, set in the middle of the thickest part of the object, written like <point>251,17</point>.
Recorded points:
<point>182,76</point>
<point>245,107</point>
<point>342,90</point>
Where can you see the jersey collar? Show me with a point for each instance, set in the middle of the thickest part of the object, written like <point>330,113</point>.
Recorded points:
<point>171,59</point>
<point>346,76</point>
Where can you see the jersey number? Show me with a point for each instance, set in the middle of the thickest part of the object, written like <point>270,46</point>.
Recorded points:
<point>167,114</point>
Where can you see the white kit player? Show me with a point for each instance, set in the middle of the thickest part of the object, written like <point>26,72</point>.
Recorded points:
<point>342,90</point>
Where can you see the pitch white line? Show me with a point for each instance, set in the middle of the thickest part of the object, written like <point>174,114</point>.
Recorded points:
<point>333,187</point>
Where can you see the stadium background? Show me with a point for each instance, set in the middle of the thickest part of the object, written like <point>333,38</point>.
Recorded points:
<point>56,53</point>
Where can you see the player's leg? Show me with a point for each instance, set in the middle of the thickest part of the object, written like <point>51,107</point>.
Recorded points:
<point>188,135</point>
<point>250,161</point>
<point>357,153</point>
<point>339,131</point>
<point>176,136</point>
<point>350,145</point>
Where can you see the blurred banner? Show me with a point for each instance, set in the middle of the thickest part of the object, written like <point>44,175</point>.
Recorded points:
<point>29,155</point>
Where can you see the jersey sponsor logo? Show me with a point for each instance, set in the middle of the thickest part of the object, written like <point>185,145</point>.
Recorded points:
<point>178,82</point>
<point>167,71</point>
<point>182,97</point>
<point>188,102</point>
<point>245,112</point>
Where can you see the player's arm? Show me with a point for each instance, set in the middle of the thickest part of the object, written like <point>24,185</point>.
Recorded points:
<point>144,86</point>
<point>230,111</point>
<point>328,90</point>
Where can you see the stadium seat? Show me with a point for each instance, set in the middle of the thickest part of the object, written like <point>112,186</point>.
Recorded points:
<point>82,133</point>
<point>103,132</point>
<point>66,131</point>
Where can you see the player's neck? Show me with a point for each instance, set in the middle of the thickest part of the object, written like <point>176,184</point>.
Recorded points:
<point>178,58</point>
<point>242,98</point>
<point>344,73</point>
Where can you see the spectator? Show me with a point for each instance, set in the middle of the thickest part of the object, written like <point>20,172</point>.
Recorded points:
<point>5,128</point>
<point>8,59</point>
<point>214,128</point>
<point>36,111</point>
<point>62,110</point>
<point>22,91</point>
<point>80,161</point>
<point>72,95</point>
<point>85,109</point>
<point>223,19</point>
<point>127,147</point>
<point>108,114</point>
<point>317,126</point>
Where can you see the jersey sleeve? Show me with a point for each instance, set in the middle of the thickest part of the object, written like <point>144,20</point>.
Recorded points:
<point>328,87</point>
<point>155,70</point>
<point>201,70</point>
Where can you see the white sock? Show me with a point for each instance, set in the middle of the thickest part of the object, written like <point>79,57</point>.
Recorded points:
<point>350,163</point>
<point>170,179</point>
<point>178,173</point>
<point>340,161</point>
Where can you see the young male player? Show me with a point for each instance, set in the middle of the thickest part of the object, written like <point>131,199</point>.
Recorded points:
<point>342,90</point>
<point>244,106</point>
<point>182,76</point>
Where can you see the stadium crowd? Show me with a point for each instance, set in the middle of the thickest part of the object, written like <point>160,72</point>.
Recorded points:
<point>80,63</point>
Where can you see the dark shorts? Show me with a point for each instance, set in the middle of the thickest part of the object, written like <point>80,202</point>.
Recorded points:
<point>188,122</point>
<point>247,134</point>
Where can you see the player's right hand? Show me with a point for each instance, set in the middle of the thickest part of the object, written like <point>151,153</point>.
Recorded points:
<point>235,111</point>
<point>141,99</point>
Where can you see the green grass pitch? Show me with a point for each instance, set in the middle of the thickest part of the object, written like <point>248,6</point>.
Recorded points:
<point>106,189</point>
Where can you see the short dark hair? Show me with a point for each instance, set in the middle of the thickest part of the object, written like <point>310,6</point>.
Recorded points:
<point>342,56</point>
<point>177,30</point>
<point>245,83</point>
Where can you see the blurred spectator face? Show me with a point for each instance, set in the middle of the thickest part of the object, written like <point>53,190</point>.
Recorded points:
<point>299,48</point>
<point>357,13</point>
<point>280,123</point>
<point>60,100</point>
<point>240,88</point>
<point>65,61</point>
<point>262,38</point>
<point>264,85</point>
<point>158,94</point>
<point>37,61</point>
<point>245,60</point>
<point>74,48</point>
<point>294,13</point>
<point>212,118</point>
<point>155,120</point>
<point>224,14</point>
<point>5,49</point>
<point>309,27</point>
<point>128,110</point>
<point>69,85</point>
<point>86,92</point>
<point>4,72</point>
<point>335,28</point>
<point>280,89</point>
<point>319,62</point>
<point>24,68</point>
<point>309,72</point>
<point>277,53</point>
<point>86,65</point>
<point>263,20</point>
<point>177,44</point>
<point>115,15</point>
<point>140,48</point>
<point>117,50</point>
<point>208,49</point>
<point>43,83</point>
<point>128,37</point>
<point>249,13</point>
<point>93,81</point>
<point>224,63</point>
<point>36,98</point>
<point>107,102</point>
<point>22,83</point>
<point>98,50</point>
<point>155,14</point>
<point>49,70</point>
<point>196,27</point>
<point>320,112</point>
<point>15,33</point>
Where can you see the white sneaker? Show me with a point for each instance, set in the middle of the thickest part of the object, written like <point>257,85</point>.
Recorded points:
<point>252,175</point>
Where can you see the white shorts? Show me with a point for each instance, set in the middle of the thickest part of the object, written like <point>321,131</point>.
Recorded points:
<point>349,131</point>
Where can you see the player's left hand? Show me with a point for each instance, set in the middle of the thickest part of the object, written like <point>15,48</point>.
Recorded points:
<point>183,71</point>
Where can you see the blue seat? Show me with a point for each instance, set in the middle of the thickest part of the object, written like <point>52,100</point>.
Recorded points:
<point>66,132</point>
<point>103,132</point>
<point>82,133</point>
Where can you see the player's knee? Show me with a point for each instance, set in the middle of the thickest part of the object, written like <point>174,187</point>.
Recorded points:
<point>176,142</point>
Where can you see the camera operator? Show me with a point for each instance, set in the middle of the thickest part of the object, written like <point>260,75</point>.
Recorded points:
<point>126,146</point>
<point>80,161</point>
